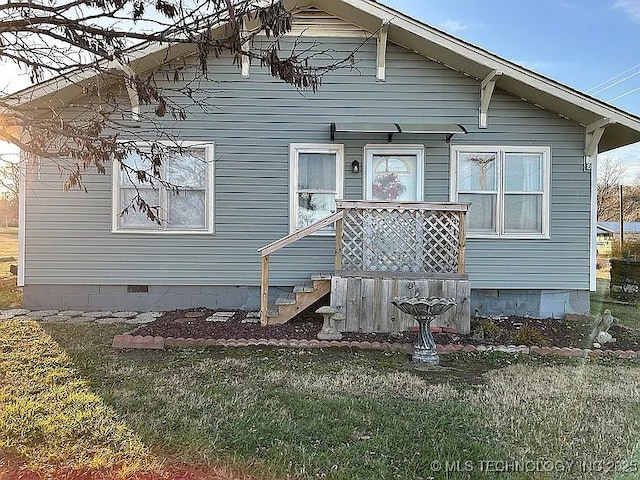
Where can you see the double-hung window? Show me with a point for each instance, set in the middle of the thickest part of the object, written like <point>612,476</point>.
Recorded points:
<point>189,168</point>
<point>316,180</point>
<point>508,188</point>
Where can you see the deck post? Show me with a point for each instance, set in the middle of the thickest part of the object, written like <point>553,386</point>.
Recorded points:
<point>462,241</point>
<point>338,250</point>
<point>264,291</point>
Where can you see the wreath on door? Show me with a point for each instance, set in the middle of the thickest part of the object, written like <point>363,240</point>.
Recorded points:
<point>387,187</point>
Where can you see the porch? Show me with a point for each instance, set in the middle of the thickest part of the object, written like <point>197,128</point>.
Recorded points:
<point>382,250</point>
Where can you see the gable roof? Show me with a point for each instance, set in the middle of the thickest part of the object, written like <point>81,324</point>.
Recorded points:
<point>623,127</point>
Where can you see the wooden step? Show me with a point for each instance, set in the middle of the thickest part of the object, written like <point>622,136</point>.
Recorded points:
<point>287,298</point>
<point>305,287</point>
<point>302,300</point>
<point>321,276</point>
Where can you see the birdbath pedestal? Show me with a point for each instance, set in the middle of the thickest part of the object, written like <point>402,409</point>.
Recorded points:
<point>425,310</point>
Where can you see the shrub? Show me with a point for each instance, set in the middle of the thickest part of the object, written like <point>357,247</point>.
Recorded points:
<point>485,328</point>
<point>528,336</point>
<point>630,249</point>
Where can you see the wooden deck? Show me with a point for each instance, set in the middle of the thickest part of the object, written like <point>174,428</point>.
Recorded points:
<point>384,250</point>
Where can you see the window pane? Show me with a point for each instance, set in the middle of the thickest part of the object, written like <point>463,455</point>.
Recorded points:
<point>482,213</point>
<point>187,210</point>
<point>317,171</point>
<point>137,219</point>
<point>313,207</point>
<point>394,177</point>
<point>477,171</point>
<point>137,163</point>
<point>523,172</point>
<point>188,168</point>
<point>523,213</point>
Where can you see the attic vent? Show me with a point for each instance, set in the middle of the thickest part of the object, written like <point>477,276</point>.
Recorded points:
<point>313,22</point>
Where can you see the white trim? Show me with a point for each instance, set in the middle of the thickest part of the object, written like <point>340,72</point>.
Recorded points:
<point>381,53</point>
<point>593,135</point>
<point>501,151</point>
<point>472,53</point>
<point>246,64</point>
<point>405,31</point>
<point>22,227</point>
<point>209,194</point>
<point>593,234</point>
<point>398,149</point>
<point>294,151</point>
<point>132,91</point>
<point>486,91</point>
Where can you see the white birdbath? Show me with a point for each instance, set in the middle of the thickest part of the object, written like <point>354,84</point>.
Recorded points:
<point>425,310</point>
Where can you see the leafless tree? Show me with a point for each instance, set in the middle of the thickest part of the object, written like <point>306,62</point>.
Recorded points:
<point>611,174</point>
<point>91,43</point>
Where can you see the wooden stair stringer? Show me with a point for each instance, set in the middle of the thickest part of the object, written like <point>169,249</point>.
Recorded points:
<point>303,301</point>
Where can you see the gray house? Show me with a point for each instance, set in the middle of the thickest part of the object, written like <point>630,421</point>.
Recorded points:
<point>424,122</point>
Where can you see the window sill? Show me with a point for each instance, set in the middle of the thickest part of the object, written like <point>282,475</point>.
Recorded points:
<point>472,236</point>
<point>164,232</point>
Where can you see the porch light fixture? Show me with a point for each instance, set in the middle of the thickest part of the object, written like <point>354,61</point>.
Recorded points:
<point>355,166</point>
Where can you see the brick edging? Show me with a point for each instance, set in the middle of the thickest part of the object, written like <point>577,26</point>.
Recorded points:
<point>140,342</point>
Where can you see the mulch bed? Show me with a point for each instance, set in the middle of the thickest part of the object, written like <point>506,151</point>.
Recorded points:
<point>511,330</point>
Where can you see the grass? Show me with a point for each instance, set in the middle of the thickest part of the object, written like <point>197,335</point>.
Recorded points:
<point>51,417</point>
<point>270,413</point>
<point>10,294</point>
<point>629,315</point>
<point>71,407</point>
<point>8,249</point>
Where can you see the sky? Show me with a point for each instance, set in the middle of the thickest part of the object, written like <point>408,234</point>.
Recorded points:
<point>590,45</point>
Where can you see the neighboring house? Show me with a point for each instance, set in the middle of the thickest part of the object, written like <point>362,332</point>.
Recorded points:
<point>613,228</point>
<point>611,233</point>
<point>278,159</point>
<point>604,238</point>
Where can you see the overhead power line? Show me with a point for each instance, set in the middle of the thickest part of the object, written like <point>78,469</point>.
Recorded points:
<point>616,83</point>
<point>613,78</point>
<point>625,94</point>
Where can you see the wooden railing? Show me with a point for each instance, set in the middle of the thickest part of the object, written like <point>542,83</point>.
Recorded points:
<point>409,237</point>
<point>283,242</point>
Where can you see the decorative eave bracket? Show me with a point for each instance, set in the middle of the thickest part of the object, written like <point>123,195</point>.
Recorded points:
<point>486,91</point>
<point>593,134</point>
<point>130,84</point>
<point>381,53</point>
<point>245,58</point>
<point>132,91</point>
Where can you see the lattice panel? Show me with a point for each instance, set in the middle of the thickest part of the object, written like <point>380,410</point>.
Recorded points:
<point>400,240</point>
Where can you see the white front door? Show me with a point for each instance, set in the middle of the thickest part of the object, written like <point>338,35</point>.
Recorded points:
<point>394,173</point>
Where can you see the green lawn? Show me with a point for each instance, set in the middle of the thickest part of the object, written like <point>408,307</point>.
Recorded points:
<point>629,315</point>
<point>69,403</point>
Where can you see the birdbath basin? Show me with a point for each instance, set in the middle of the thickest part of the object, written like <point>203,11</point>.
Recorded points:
<point>425,310</point>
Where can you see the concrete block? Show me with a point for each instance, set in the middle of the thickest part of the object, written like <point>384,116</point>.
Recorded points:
<point>41,301</point>
<point>75,301</point>
<point>112,289</point>
<point>86,289</point>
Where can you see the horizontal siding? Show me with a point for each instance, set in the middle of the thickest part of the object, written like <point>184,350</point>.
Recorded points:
<point>252,121</point>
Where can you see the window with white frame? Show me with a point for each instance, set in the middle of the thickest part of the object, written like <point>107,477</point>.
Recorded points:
<point>508,188</point>
<point>316,181</point>
<point>188,167</point>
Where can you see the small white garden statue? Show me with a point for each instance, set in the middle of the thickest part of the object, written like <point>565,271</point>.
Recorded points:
<point>600,333</point>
